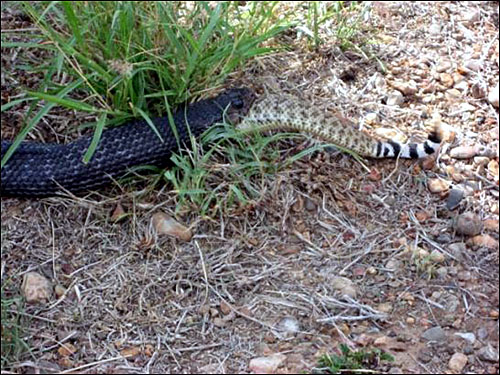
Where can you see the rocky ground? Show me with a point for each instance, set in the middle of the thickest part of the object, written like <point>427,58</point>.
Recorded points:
<point>396,255</point>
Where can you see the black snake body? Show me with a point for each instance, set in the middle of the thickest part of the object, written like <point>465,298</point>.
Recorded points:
<point>38,170</point>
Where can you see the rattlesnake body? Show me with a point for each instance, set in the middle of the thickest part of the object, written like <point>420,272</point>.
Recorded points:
<point>273,112</point>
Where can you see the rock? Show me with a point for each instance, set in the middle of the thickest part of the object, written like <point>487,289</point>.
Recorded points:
<point>457,362</point>
<point>474,65</point>
<point>435,29</point>
<point>436,334</point>
<point>266,365</point>
<point>457,249</point>
<point>438,185</point>
<point>468,336</point>
<point>446,79</point>
<point>344,285</point>
<point>491,224</point>
<point>466,107</point>
<point>464,152</point>
<point>452,95</point>
<point>454,198</point>
<point>488,353</point>
<point>36,288</point>
<point>477,91</point>
<point>406,88</point>
<point>468,224</point>
<point>493,96</point>
<point>483,240</point>
<point>395,98</point>
<point>164,224</point>
<point>443,66</point>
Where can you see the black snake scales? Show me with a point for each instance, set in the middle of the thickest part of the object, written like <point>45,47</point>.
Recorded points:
<point>39,170</point>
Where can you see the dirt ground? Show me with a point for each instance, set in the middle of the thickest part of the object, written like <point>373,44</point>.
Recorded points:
<point>393,257</point>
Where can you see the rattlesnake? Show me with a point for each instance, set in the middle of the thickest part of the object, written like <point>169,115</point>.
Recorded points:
<point>37,170</point>
<point>285,112</point>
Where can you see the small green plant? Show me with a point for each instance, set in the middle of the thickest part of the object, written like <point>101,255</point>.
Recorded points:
<point>13,344</point>
<point>352,360</point>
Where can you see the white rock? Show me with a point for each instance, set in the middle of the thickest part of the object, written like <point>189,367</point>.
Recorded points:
<point>266,365</point>
<point>395,98</point>
<point>457,362</point>
<point>36,288</point>
<point>493,96</point>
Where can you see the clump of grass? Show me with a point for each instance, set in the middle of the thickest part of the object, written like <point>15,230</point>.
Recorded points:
<point>133,59</point>
<point>13,344</point>
<point>350,361</point>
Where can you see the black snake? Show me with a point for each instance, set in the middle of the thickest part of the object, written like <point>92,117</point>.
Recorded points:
<point>37,170</point>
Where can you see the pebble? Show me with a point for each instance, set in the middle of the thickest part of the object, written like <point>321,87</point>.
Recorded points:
<point>454,198</point>
<point>474,65</point>
<point>266,365</point>
<point>434,334</point>
<point>457,249</point>
<point>483,240</point>
<point>446,79</point>
<point>438,185</point>
<point>435,29</point>
<point>344,285</point>
<point>443,66</point>
<point>457,362</point>
<point>468,224</point>
<point>493,96</point>
<point>464,152</point>
<point>477,91</point>
<point>488,353</point>
<point>36,288</point>
<point>407,88</point>
<point>462,85</point>
<point>467,336</point>
<point>452,94</point>
<point>395,98</point>
<point>164,224</point>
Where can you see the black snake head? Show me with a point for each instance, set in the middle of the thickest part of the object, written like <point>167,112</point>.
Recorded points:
<point>237,101</point>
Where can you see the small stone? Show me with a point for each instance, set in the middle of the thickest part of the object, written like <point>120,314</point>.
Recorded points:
<point>467,336</point>
<point>493,96</point>
<point>395,98</point>
<point>461,85</point>
<point>491,224</point>
<point>454,198</point>
<point>466,107</point>
<point>443,66</point>
<point>457,362</point>
<point>452,94</point>
<point>474,65</point>
<point>344,285</point>
<point>483,240</point>
<point>468,224</point>
<point>464,152</point>
<point>477,91</point>
<point>488,353</point>
<point>164,224</point>
<point>381,341</point>
<point>434,334</point>
<point>407,88</point>
<point>457,249</point>
<point>438,185</point>
<point>59,290</point>
<point>266,365</point>
<point>36,288</point>
<point>446,79</point>
<point>435,29</point>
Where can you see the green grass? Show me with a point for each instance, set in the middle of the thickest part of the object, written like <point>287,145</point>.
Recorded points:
<point>123,60</point>
<point>350,361</point>
<point>13,345</point>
